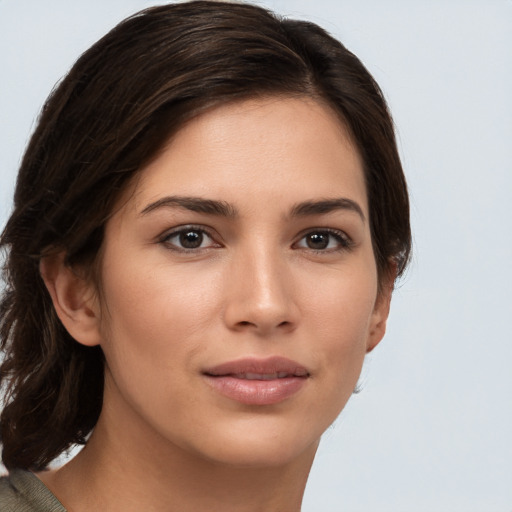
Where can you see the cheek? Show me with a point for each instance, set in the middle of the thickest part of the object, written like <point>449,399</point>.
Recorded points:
<point>153,316</point>
<point>341,316</point>
<point>341,300</point>
<point>157,292</point>
<point>156,325</point>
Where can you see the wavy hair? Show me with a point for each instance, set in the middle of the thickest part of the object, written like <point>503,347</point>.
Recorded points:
<point>106,120</point>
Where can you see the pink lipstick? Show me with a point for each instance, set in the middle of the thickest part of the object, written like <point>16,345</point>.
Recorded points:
<point>257,381</point>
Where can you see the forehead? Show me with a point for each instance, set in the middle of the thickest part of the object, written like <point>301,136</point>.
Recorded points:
<point>272,149</point>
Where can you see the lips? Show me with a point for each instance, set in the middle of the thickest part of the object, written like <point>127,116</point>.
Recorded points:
<point>257,381</point>
<point>264,376</point>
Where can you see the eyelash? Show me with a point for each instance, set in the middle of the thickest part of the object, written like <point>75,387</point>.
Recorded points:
<point>344,242</point>
<point>165,239</point>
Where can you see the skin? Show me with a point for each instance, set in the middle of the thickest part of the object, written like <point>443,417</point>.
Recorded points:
<point>256,286</point>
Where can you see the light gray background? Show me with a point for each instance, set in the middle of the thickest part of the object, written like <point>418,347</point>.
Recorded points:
<point>431,430</point>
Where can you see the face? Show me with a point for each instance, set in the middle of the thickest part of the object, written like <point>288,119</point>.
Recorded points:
<point>239,286</point>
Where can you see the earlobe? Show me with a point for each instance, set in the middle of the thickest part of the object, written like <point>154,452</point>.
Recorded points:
<point>73,299</point>
<point>378,323</point>
<point>381,311</point>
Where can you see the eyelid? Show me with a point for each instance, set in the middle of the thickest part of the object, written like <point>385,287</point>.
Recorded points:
<point>166,235</point>
<point>345,241</point>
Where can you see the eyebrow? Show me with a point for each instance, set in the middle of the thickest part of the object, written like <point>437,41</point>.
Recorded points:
<point>326,206</point>
<point>225,209</point>
<point>195,204</point>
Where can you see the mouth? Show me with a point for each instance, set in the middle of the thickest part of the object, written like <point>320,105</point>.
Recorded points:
<point>258,381</point>
<point>265,376</point>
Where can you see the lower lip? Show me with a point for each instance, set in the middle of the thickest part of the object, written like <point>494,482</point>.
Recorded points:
<point>256,392</point>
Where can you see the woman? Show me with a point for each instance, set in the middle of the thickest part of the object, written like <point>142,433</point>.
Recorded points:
<point>208,222</point>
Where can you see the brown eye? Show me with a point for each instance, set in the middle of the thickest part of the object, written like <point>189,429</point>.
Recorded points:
<point>191,239</point>
<point>188,239</point>
<point>324,240</point>
<point>317,240</point>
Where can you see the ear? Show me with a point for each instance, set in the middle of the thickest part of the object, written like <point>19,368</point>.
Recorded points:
<point>74,299</point>
<point>381,310</point>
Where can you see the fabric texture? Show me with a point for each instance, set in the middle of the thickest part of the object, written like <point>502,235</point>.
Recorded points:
<point>22,491</point>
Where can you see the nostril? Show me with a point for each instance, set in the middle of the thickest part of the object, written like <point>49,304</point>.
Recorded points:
<point>244,324</point>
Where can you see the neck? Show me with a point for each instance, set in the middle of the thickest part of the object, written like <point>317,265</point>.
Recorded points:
<point>115,473</point>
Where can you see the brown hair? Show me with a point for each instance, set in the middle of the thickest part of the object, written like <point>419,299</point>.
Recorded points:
<point>116,108</point>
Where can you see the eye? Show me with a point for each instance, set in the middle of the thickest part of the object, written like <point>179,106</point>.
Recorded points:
<point>189,238</point>
<point>325,240</point>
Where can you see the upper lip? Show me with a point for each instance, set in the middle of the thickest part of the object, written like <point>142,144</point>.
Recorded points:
<point>273,367</point>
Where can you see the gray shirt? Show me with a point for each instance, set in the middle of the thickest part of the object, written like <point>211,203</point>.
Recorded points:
<point>22,491</point>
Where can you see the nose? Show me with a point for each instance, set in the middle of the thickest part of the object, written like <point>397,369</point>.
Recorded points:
<point>260,296</point>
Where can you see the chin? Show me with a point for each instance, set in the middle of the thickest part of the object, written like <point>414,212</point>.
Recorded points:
<point>259,455</point>
<point>258,447</point>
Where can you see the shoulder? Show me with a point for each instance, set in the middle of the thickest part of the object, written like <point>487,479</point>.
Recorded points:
<point>21,491</point>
